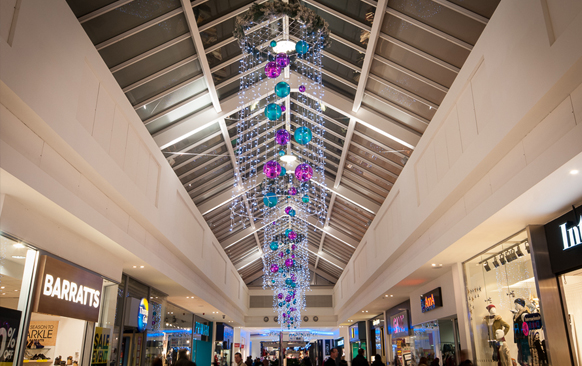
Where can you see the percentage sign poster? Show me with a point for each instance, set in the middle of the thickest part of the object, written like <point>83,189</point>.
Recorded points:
<point>9,323</point>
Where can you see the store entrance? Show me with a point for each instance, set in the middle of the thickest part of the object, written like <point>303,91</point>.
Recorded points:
<point>131,348</point>
<point>572,289</point>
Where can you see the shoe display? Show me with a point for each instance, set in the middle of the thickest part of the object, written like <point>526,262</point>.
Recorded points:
<point>38,345</point>
<point>70,360</point>
<point>57,361</point>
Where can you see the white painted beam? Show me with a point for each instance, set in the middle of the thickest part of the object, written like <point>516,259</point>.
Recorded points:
<point>195,33</point>
<point>370,50</point>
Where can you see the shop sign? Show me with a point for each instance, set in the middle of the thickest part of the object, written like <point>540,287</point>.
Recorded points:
<point>65,290</point>
<point>44,332</point>
<point>431,300</point>
<point>237,345</point>
<point>564,241</point>
<point>201,329</point>
<point>9,324</point>
<point>340,342</point>
<point>354,333</point>
<point>532,322</point>
<point>142,315</point>
<point>376,322</point>
<point>399,324</point>
<point>101,344</point>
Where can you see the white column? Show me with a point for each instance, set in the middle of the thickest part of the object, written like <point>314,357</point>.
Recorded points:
<point>462,314</point>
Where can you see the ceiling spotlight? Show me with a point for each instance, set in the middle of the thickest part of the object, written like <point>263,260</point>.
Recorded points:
<point>519,252</point>
<point>486,266</point>
<point>141,266</point>
<point>527,248</point>
<point>495,262</point>
<point>134,266</point>
<point>574,171</point>
<point>502,259</point>
<point>510,255</point>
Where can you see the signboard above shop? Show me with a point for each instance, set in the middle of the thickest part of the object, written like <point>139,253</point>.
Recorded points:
<point>399,324</point>
<point>564,239</point>
<point>65,290</point>
<point>431,300</point>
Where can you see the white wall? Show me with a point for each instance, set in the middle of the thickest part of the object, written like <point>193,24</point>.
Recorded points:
<point>512,116</point>
<point>70,135</point>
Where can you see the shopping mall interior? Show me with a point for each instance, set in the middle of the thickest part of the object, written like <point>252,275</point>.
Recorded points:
<point>399,179</point>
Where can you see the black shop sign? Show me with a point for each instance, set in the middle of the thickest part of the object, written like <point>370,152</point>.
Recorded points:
<point>564,238</point>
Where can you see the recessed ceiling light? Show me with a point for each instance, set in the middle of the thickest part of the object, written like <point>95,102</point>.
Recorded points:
<point>574,171</point>
<point>187,297</point>
<point>18,245</point>
<point>134,266</point>
<point>141,266</point>
<point>3,287</point>
<point>391,295</point>
<point>434,264</point>
<point>18,257</point>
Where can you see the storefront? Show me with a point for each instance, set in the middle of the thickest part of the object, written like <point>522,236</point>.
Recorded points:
<point>564,245</point>
<point>504,305</point>
<point>377,338</point>
<point>339,343</point>
<point>358,338</point>
<point>53,311</point>
<point>224,345</point>
<point>400,335</point>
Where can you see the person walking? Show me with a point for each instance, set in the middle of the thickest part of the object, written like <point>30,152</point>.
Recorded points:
<point>378,361</point>
<point>157,362</point>
<point>238,361</point>
<point>183,358</point>
<point>249,361</point>
<point>306,361</point>
<point>360,360</point>
<point>331,359</point>
<point>423,361</point>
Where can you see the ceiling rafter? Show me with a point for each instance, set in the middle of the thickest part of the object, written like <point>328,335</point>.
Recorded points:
<point>162,72</point>
<point>183,103</point>
<point>466,12</point>
<point>199,46</point>
<point>104,10</point>
<point>168,91</point>
<point>370,50</point>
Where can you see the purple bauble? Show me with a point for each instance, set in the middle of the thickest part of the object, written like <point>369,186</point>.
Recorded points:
<point>292,192</point>
<point>288,209</point>
<point>301,88</point>
<point>282,137</point>
<point>272,169</point>
<point>293,256</point>
<point>282,60</point>
<point>274,268</point>
<point>281,254</point>
<point>280,296</point>
<point>293,278</point>
<point>292,235</point>
<point>303,172</point>
<point>272,70</point>
<point>283,109</point>
<point>288,298</point>
<point>289,262</point>
<point>293,247</point>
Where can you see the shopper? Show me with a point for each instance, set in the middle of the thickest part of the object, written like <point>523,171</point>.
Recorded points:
<point>343,363</point>
<point>306,361</point>
<point>435,362</point>
<point>238,359</point>
<point>183,358</point>
<point>360,360</point>
<point>249,361</point>
<point>331,359</point>
<point>378,361</point>
<point>157,362</point>
<point>466,363</point>
<point>423,361</point>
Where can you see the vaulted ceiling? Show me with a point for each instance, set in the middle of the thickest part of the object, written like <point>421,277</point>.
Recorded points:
<point>390,64</point>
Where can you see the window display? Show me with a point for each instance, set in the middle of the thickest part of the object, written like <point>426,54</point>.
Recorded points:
<point>504,305</point>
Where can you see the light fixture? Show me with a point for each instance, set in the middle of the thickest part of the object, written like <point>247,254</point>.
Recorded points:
<point>18,257</point>
<point>486,266</point>
<point>391,295</point>
<point>288,158</point>
<point>519,252</point>
<point>18,245</point>
<point>574,172</point>
<point>510,255</point>
<point>141,266</point>
<point>284,47</point>
<point>134,266</point>
<point>2,288</point>
<point>502,259</point>
<point>495,262</point>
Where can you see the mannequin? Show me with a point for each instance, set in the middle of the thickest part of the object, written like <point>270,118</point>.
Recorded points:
<point>520,338</point>
<point>494,323</point>
<point>502,349</point>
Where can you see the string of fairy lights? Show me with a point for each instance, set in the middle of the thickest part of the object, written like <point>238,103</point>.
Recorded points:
<point>281,163</point>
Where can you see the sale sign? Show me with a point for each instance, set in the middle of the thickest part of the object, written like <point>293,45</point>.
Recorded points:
<point>9,323</point>
<point>44,332</point>
<point>101,346</point>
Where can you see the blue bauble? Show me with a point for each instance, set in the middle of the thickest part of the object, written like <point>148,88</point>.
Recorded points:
<point>287,251</point>
<point>288,281</point>
<point>303,135</point>
<point>273,43</point>
<point>283,172</point>
<point>292,213</point>
<point>301,47</point>
<point>270,199</point>
<point>282,89</point>
<point>273,111</point>
<point>287,232</point>
<point>274,246</point>
<point>281,152</point>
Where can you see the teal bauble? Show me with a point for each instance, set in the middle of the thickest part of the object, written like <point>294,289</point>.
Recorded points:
<point>281,152</point>
<point>287,232</point>
<point>270,199</point>
<point>273,111</point>
<point>273,281</point>
<point>305,199</point>
<point>282,89</point>
<point>292,212</point>
<point>293,285</point>
<point>301,47</point>
<point>303,135</point>
<point>283,172</point>
<point>287,251</point>
<point>274,246</point>
<point>288,281</point>
<point>273,43</point>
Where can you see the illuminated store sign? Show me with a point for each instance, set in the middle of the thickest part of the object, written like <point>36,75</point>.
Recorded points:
<point>142,315</point>
<point>201,329</point>
<point>399,324</point>
<point>571,236</point>
<point>431,300</point>
<point>66,290</point>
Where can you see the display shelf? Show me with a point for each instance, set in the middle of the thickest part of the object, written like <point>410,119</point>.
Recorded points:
<point>38,361</point>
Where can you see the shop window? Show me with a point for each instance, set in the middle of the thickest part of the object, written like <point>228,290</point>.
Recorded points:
<point>504,305</point>
<point>572,287</point>
<point>106,334</point>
